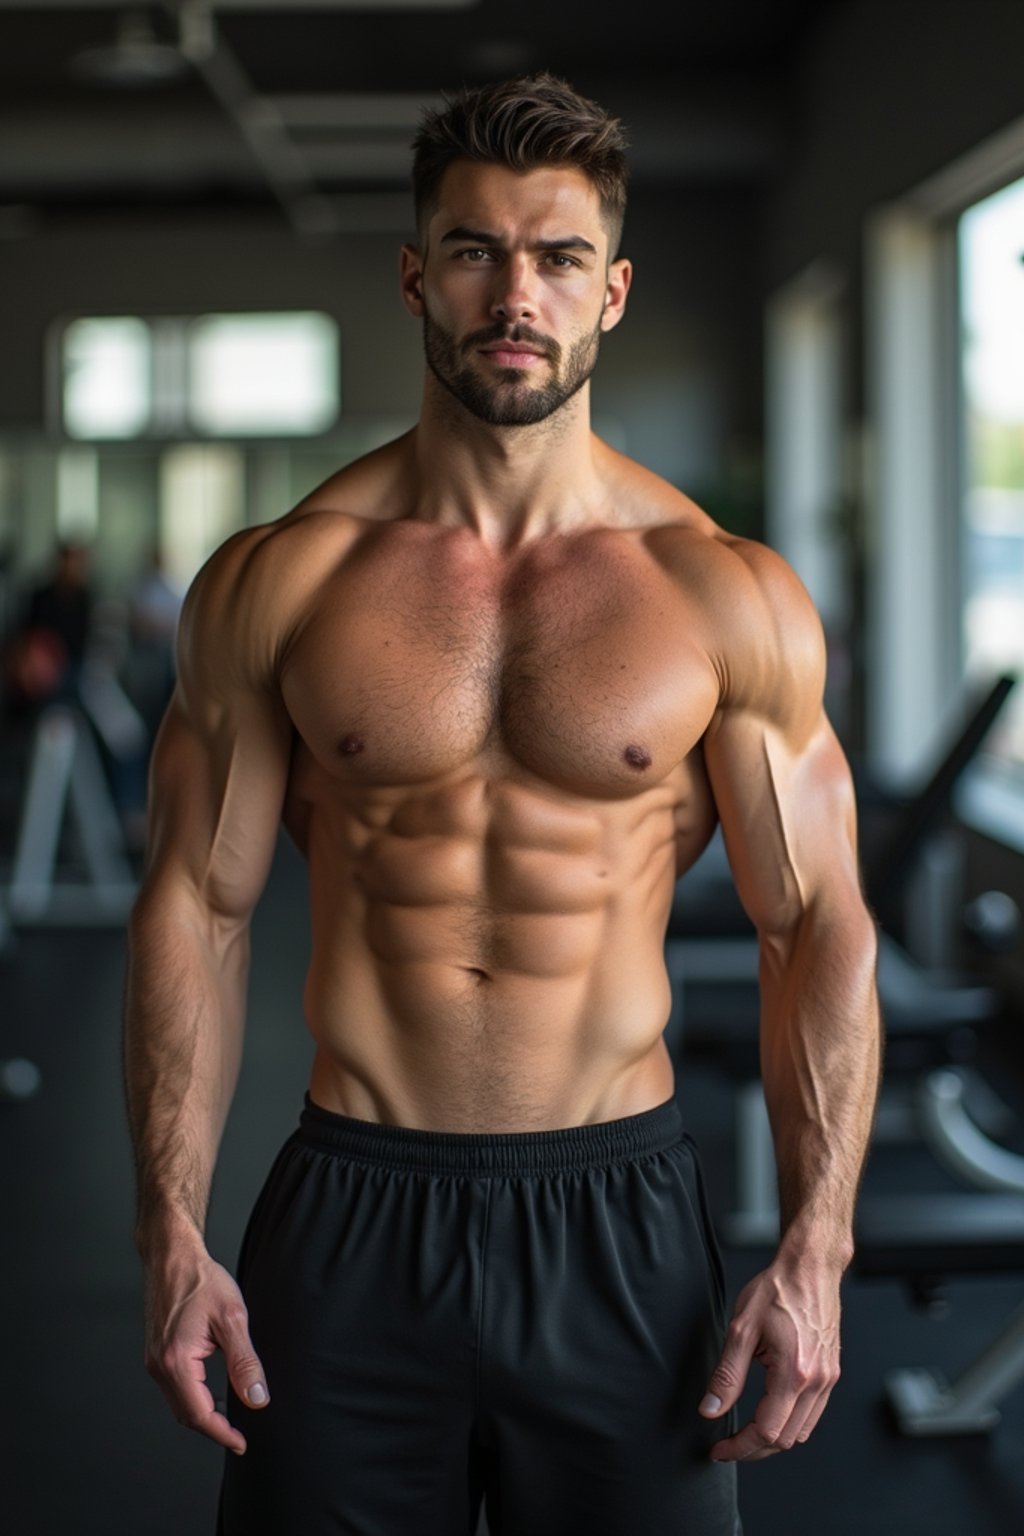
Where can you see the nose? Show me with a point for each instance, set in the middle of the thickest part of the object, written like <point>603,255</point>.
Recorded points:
<point>513,297</point>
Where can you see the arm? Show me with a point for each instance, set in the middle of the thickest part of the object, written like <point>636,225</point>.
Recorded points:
<point>785,799</point>
<point>217,783</point>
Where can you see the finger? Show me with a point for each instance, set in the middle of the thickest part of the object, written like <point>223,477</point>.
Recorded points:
<point>766,1432</point>
<point>220,1430</point>
<point>811,1404</point>
<point>193,1406</point>
<point>243,1366</point>
<point>749,1445</point>
<point>730,1374</point>
<point>811,1422</point>
<point>762,1438</point>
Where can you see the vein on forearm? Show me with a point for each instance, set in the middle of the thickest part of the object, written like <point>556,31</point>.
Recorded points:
<point>820,1059</point>
<point>182,1042</point>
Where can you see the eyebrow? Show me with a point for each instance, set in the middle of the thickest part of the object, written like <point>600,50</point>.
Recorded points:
<point>485,237</point>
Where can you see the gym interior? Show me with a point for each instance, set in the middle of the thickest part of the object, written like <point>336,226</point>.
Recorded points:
<point>201,204</point>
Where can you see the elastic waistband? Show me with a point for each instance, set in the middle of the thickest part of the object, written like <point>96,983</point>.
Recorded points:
<point>512,1152</point>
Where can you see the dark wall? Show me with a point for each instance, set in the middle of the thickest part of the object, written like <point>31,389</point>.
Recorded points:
<point>683,372</point>
<point>889,92</point>
<point>680,379</point>
<point>160,266</point>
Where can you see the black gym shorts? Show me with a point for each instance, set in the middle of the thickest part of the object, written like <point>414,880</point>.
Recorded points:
<point>527,1319</point>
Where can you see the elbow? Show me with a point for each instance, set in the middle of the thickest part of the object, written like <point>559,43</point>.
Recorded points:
<point>861,932</point>
<point>167,905</point>
<point>828,921</point>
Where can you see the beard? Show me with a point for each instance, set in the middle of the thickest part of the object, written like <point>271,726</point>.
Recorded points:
<point>508,400</point>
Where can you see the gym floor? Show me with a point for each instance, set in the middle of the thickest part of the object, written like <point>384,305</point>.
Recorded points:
<point>89,1445</point>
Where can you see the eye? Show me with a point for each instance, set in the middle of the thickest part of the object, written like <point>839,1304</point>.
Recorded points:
<point>474,255</point>
<point>559,260</point>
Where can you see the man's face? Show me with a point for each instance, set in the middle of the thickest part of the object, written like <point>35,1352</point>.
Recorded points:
<point>514,289</point>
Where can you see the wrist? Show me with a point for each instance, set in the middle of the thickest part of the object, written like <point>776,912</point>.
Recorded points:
<point>166,1230</point>
<point>816,1244</point>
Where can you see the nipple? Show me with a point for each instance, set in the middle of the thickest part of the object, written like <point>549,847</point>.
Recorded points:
<point>350,745</point>
<point>637,757</point>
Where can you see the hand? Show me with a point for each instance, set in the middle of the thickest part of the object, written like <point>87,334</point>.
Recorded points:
<point>193,1308</point>
<point>787,1319</point>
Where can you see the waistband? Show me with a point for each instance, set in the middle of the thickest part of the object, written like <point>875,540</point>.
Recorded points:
<point>505,1152</point>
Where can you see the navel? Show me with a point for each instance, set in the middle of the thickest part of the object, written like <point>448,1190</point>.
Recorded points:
<point>637,757</point>
<point>348,746</point>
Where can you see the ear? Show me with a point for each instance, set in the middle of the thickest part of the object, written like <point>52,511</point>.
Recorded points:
<point>411,280</point>
<point>620,275</point>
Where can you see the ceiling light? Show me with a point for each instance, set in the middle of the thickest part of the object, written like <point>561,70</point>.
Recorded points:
<point>135,59</point>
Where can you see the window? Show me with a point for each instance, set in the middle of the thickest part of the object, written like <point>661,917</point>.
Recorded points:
<point>108,372</point>
<point>991,256</point>
<point>267,375</point>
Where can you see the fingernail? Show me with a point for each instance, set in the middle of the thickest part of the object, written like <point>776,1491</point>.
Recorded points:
<point>257,1394</point>
<point>711,1404</point>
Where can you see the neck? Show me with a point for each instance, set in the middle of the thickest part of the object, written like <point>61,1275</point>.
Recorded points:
<point>506,484</point>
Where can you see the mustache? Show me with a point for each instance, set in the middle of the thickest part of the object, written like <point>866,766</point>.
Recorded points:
<point>520,333</point>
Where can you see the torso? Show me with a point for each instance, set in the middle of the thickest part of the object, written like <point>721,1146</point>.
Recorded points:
<point>497,778</point>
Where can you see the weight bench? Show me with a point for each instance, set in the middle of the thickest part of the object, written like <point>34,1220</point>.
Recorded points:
<point>716,980</point>
<point>923,1238</point>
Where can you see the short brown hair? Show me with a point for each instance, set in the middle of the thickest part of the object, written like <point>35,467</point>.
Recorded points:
<point>533,121</point>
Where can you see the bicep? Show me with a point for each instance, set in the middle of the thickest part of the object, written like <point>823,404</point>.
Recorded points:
<point>780,780</point>
<point>220,765</point>
<point>786,804</point>
<point>216,791</point>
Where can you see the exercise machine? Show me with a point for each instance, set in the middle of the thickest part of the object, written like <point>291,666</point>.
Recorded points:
<point>66,781</point>
<point>924,1238</point>
<point>931,1015</point>
<point>65,775</point>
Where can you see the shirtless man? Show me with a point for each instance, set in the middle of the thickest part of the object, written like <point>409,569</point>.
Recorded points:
<point>500,683</point>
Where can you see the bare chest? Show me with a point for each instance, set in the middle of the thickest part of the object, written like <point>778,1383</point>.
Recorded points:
<point>585,669</point>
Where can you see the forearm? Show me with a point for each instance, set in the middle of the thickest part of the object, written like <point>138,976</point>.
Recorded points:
<point>821,1053</point>
<point>183,1026</point>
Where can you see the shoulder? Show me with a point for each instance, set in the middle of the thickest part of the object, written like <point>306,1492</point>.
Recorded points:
<point>757,623</point>
<point>770,646</point>
<point>644,501</point>
<point>255,588</point>
<point>373,488</point>
<point>697,551</point>
<point>246,601</point>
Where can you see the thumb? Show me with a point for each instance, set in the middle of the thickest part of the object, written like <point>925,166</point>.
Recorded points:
<point>728,1378</point>
<point>244,1369</point>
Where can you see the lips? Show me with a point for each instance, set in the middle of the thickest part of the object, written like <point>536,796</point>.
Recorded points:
<point>512,354</point>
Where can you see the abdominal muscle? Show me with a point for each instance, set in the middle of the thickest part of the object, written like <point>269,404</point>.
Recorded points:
<point>486,959</point>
